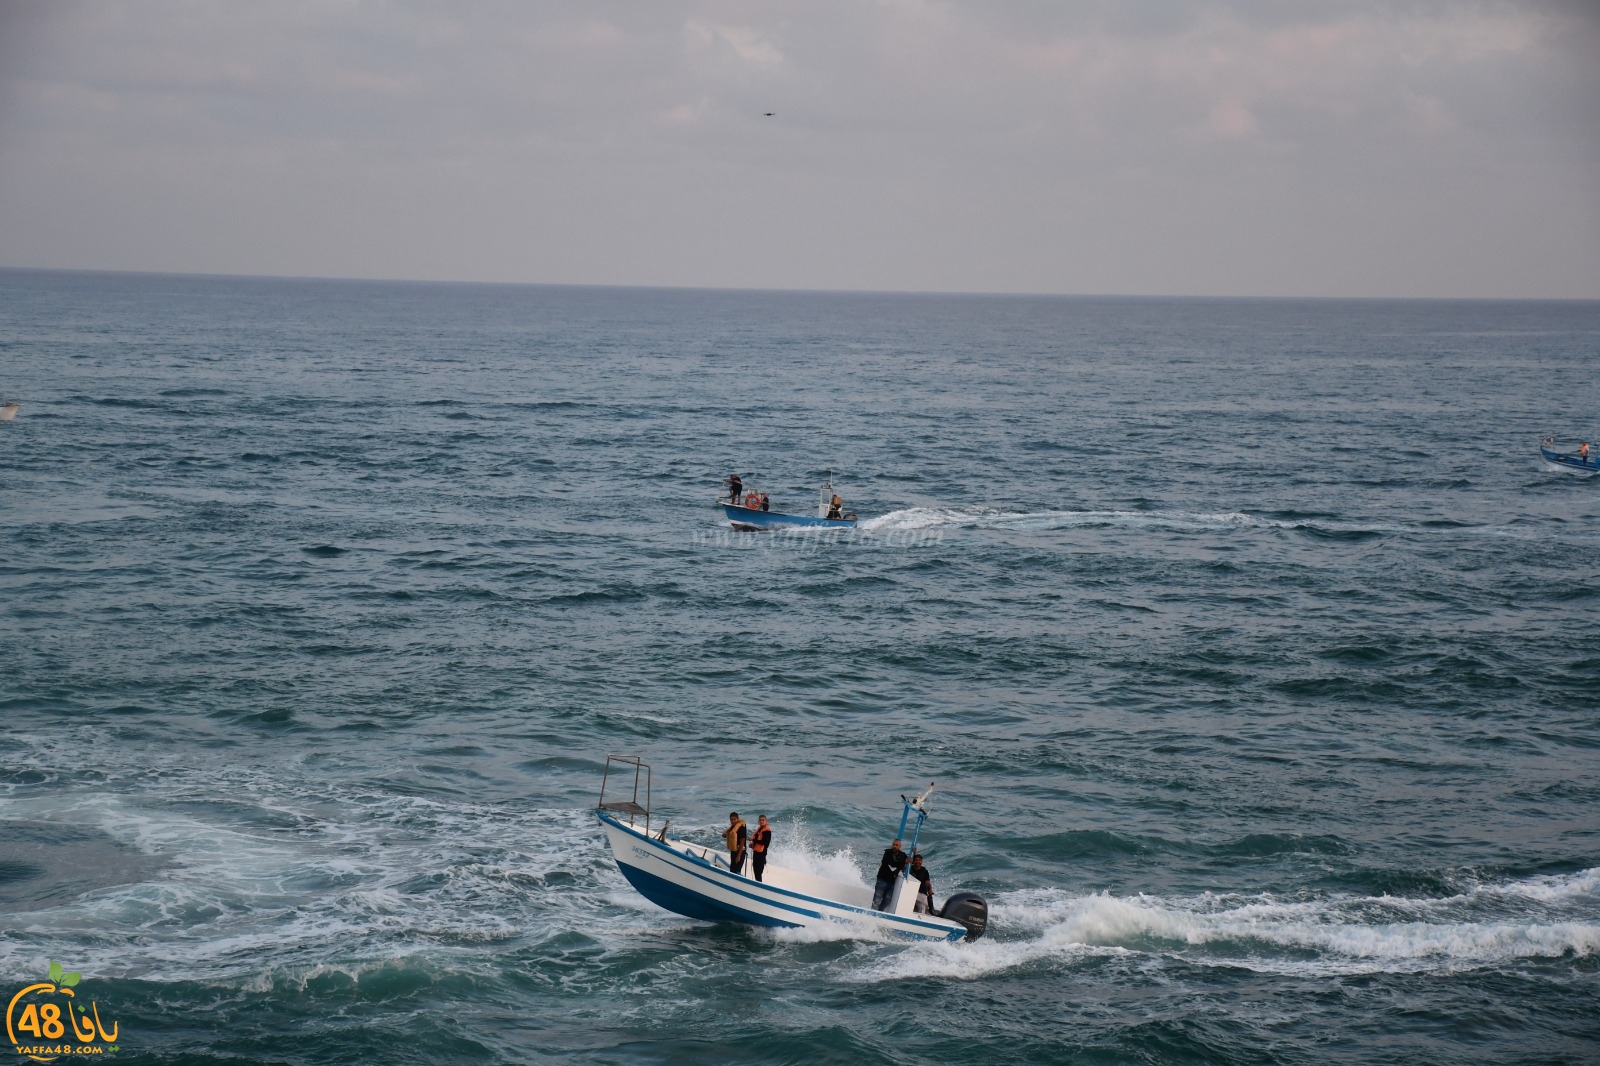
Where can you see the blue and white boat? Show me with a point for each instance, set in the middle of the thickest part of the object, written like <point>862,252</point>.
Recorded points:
<point>695,880</point>
<point>747,514</point>
<point>1570,462</point>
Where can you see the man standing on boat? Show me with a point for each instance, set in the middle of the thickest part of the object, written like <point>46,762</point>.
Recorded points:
<point>924,880</point>
<point>737,835</point>
<point>735,488</point>
<point>894,860</point>
<point>760,842</point>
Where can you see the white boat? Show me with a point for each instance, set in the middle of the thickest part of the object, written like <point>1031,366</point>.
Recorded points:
<point>9,411</point>
<point>694,880</point>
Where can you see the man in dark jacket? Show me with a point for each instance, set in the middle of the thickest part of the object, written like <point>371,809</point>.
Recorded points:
<point>894,860</point>
<point>924,880</point>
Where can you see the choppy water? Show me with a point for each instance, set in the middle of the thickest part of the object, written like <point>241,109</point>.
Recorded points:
<point>1253,649</point>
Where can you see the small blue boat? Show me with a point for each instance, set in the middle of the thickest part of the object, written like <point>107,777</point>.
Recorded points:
<point>1572,462</point>
<point>747,514</point>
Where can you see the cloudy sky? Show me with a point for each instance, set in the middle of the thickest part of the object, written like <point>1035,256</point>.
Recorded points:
<point>1241,147</point>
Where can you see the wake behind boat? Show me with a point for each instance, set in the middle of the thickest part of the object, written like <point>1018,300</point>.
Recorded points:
<point>695,880</point>
<point>1581,461</point>
<point>750,510</point>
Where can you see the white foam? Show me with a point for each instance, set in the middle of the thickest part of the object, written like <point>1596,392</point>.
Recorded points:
<point>1557,888</point>
<point>794,849</point>
<point>913,518</point>
<point>930,518</point>
<point>383,877</point>
<point>1340,934</point>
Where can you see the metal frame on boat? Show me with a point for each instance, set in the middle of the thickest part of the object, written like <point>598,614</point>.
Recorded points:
<point>695,880</point>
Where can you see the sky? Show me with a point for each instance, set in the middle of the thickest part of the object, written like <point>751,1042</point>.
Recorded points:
<point>1436,148</point>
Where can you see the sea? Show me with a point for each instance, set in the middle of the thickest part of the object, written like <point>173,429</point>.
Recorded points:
<point>1253,651</point>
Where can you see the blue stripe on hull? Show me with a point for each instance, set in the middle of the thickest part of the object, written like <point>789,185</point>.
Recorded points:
<point>664,893</point>
<point>750,516</point>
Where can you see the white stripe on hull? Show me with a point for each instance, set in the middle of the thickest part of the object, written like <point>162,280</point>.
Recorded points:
<point>676,866</point>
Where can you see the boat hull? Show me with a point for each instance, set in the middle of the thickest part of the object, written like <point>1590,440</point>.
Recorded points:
<point>693,881</point>
<point>1572,463</point>
<point>757,519</point>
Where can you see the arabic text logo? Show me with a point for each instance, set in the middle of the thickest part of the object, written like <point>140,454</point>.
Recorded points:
<point>46,1020</point>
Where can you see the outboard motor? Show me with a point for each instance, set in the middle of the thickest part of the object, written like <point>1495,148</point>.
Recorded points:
<point>970,910</point>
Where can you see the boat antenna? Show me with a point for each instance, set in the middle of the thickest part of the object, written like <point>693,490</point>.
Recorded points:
<point>922,816</point>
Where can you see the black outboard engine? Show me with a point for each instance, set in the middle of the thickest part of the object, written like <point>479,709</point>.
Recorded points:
<point>970,910</point>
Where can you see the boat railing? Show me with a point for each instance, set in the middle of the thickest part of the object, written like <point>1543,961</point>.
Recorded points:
<point>621,764</point>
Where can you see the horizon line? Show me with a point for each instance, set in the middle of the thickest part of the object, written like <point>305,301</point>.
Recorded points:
<point>1000,294</point>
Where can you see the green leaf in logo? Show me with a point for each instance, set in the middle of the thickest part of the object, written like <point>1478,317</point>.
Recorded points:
<point>55,972</point>
<point>71,979</point>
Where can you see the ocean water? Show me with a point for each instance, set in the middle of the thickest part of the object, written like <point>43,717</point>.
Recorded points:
<point>1253,650</point>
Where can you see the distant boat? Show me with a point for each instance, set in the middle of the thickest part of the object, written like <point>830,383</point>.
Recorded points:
<point>9,411</point>
<point>748,516</point>
<point>1570,462</point>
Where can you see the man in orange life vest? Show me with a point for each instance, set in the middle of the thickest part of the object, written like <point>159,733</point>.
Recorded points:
<point>760,841</point>
<point>737,835</point>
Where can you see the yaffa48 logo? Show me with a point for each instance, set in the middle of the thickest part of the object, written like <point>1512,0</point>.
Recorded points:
<point>47,1020</point>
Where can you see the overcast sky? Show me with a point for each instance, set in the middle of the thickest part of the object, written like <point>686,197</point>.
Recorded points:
<point>1325,148</point>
